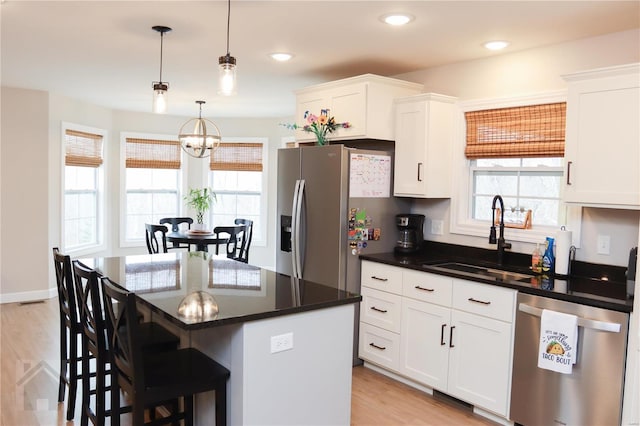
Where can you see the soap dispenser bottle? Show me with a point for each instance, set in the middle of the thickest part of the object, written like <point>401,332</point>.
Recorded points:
<point>548,259</point>
<point>536,260</point>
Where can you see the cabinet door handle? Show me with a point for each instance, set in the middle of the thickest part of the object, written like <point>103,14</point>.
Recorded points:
<point>419,172</point>
<point>451,345</point>
<point>373,277</point>
<point>442,343</point>
<point>471,299</point>
<point>423,288</point>
<point>384,311</point>
<point>569,163</point>
<point>382,348</point>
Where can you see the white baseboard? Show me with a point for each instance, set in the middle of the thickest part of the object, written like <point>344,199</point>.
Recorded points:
<point>28,296</point>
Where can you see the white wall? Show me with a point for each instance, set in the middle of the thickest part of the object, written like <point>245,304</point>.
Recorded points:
<point>24,195</point>
<point>525,73</point>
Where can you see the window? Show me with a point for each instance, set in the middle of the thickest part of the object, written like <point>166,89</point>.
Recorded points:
<point>516,150</point>
<point>152,182</point>
<point>82,219</point>
<point>524,184</point>
<point>236,176</point>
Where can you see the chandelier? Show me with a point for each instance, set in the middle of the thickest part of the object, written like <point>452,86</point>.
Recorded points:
<point>199,136</point>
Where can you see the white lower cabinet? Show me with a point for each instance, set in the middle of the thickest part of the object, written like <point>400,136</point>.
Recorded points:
<point>453,335</point>
<point>480,361</point>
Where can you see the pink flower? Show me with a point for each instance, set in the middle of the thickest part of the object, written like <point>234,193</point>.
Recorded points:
<point>312,118</point>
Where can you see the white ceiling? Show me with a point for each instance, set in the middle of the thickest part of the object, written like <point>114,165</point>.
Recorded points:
<point>106,53</point>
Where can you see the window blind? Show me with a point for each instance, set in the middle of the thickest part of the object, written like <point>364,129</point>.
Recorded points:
<point>82,149</point>
<point>152,154</point>
<point>241,156</point>
<point>527,131</point>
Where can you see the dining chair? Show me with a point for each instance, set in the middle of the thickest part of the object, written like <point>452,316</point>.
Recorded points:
<point>154,235</point>
<point>243,251</point>
<point>235,233</point>
<point>150,378</point>
<point>175,223</point>
<point>153,338</point>
<point>70,330</point>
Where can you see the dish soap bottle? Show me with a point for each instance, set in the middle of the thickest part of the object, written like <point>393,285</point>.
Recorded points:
<point>548,260</point>
<point>536,260</point>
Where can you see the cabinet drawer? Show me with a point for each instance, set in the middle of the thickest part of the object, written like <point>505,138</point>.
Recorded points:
<point>381,277</point>
<point>427,287</point>
<point>381,309</point>
<point>489,301</point>
<point>379,346</point>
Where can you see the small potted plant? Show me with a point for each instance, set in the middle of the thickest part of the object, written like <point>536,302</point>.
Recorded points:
<point>200,200</point>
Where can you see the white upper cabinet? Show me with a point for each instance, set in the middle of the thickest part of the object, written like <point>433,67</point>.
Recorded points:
<point>424,138</point>
<point>602,151</point>
<point>365,101</point>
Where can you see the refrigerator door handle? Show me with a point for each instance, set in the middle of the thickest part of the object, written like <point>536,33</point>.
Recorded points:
<point>295,232</point>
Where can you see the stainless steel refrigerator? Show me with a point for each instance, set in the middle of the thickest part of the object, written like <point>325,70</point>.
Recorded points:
<point>334,203</point>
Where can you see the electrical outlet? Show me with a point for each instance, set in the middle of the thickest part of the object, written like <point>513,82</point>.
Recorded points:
<point>604,244</point>
<point>281,342</point>
<point>437,227</point>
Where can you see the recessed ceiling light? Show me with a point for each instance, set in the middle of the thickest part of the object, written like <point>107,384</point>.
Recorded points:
<point>397,19</point>
<point>281,56</point>
<point>496,45</point>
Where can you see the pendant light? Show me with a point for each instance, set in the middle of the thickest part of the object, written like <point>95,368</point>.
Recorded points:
<point>227,63</point>
<point>199,136</point>
<point>159,87</point>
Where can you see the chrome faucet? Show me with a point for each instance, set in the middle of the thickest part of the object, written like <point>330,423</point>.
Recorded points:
<point>502,244</point>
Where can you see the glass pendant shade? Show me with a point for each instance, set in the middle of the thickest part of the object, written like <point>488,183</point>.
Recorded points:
<point>199,136</point>
<point>227,75</point>
<point>160,97</point>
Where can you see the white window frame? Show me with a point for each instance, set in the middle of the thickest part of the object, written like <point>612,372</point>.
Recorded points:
<point>183,173</point>
<point>461,222</point>
<point>258,239</point>
<point>101,191</point>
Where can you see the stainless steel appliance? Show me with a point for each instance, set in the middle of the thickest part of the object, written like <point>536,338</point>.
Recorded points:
<point>592,393</point>
<point>410,233</point>
<point>334,202</point>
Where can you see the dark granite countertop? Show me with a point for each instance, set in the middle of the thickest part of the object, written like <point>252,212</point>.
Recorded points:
<point>596,285</point>
<point>242,292</point>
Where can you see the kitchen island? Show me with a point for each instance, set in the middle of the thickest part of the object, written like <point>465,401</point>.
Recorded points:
<point>288,343</point>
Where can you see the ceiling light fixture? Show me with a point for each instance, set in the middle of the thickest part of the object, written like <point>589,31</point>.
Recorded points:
<point>159,87</point>
<point>204,138</point>
<point>281,56</point>
<point>397,19</point>
<point>227,65</point>
<point>496,45</point>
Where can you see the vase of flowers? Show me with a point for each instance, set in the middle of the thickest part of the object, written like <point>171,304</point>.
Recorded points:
<point>320,125</point>
<point>200,200</point>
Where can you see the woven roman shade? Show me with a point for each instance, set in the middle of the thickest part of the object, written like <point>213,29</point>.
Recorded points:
<point>152,154</point>
<point>240,156</point>
<point>82,149</point>
<point>527,131</point>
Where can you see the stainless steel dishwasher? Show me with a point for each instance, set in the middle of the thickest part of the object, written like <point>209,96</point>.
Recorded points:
<point>592,393</point>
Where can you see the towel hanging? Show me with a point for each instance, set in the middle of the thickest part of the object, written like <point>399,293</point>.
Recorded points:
<point>558,341</point>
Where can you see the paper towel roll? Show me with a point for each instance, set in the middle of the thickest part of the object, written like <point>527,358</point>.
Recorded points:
<point>563,247</point>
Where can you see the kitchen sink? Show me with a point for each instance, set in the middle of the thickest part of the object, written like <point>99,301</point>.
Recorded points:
<point>481,271</point>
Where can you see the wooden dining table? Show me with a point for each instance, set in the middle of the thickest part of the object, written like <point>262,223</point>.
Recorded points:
<point>200,239</point>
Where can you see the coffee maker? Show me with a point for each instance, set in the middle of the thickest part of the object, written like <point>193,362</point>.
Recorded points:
<point>410,233</point>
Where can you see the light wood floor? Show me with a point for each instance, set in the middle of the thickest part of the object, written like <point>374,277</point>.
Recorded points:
<point>29,385</point>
